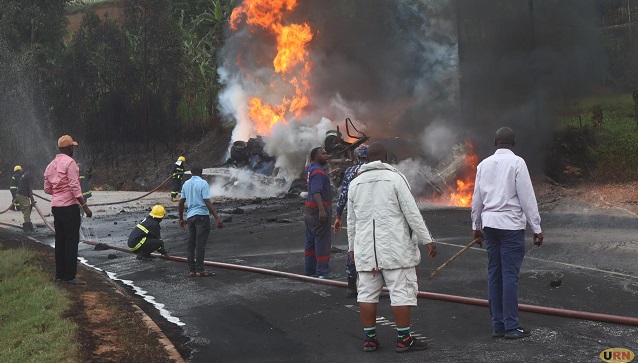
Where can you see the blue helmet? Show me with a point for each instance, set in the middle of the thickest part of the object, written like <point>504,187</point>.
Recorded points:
<point>362,152</point>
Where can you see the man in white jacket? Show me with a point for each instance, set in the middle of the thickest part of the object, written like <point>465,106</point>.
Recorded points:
<point>384,228</point>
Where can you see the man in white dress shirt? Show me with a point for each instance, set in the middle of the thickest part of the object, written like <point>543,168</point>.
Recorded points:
<point>502,204</point>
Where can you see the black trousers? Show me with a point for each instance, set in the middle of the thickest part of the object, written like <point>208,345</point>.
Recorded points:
<point>151,245</point>
<point>66,221</point>
<point>177,187</point>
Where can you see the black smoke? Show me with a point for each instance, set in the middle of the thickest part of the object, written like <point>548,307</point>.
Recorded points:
<point>524,61</point>
<point>409,68</point>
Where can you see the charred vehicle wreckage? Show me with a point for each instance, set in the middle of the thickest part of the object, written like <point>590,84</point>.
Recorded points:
<point>250,168</point>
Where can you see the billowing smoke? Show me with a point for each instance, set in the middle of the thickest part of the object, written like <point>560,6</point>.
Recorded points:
<point>518,59</point>
<point>422,75</point>
<point>390,66</point>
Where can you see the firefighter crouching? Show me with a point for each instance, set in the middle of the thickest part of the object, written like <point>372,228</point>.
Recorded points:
<point>146,236</point>
<point>177,173</point>
<point>15,183</point>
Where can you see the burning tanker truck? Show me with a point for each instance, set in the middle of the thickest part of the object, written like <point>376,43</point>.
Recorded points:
<point>251,156</point>
<point>250,168</point>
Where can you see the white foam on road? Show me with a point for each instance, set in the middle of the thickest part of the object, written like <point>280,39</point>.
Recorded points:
<point>138,291</point>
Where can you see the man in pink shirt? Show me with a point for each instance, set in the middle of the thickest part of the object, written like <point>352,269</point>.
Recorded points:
<point>62,181</point>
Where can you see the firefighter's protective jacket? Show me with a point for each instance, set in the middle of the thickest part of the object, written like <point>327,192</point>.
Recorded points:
<point>15,181</point>
<point>148,228</point>
<point>178,170</point>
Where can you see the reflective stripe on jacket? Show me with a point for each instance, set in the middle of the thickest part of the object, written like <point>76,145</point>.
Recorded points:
<point>147,228</point>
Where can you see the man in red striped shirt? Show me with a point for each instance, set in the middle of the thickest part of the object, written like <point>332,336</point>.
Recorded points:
<point>62,181</point>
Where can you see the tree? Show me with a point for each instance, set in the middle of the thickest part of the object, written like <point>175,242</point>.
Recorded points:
<point>202,24</point>
<point>157,43</point>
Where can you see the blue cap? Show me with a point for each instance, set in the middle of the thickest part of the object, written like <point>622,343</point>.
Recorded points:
<point>362,152</point>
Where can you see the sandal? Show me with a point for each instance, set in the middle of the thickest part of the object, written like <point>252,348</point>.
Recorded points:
<point>192,274</point>
<point>205,274</point>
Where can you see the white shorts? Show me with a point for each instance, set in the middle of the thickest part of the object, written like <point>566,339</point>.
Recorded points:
<point>401,282</point>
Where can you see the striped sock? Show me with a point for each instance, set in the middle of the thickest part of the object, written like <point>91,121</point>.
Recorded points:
<point>403,332</point>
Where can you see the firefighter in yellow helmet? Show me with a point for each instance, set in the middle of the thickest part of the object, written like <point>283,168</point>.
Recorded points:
<point>177,173</point>
<point>15,183</point>
<point>146,236</point>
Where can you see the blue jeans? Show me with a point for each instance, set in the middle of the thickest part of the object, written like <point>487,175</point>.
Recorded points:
<point>505,252</point>
<point>198,231</point>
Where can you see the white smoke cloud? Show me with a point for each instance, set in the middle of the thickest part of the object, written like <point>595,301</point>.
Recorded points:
<point>411,169</point>
<point>242,183</point>
<point>233,102</point>
<point>292,142</point>
<point>438,139</point>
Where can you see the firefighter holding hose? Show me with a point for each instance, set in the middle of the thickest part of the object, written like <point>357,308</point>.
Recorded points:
<point>177,175</point>
<point>146,237</point>
<point>15,183</point>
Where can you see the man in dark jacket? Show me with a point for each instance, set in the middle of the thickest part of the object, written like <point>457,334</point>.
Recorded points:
<point>146,236</point>
<point>15,183</point>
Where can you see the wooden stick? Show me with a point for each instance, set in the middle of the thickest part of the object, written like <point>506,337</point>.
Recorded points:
<point>453,258</point>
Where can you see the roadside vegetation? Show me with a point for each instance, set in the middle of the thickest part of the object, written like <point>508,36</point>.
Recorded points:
<point>597,139</point>
<point>32,327</point>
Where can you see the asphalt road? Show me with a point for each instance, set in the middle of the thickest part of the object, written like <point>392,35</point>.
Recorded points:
<point>239,316</point>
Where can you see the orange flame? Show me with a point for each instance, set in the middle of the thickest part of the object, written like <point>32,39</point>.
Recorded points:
<point>462,195</point>
<point>291,62</point>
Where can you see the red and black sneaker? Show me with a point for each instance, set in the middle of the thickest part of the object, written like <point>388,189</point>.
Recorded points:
<point>408,343</point>
<point>371,344</point>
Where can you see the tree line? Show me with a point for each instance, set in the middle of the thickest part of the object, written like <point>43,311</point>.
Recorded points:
<point>140,81</point>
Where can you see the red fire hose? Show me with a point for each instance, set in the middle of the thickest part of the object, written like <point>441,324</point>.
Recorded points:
<point>585,315</point>
<point>44,219</point>
<point>122,201</point>
<point>140,197</point>
<point>99,204</point>
<point>11,225</point>
<point>616,319</point>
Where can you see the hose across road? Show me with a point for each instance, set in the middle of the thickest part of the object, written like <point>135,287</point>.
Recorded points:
<point>576,314</point>
<point>120,202</point>
<point>35,206</point>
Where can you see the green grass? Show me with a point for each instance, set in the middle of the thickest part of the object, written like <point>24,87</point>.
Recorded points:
<point>31,326</point>
<point>615,147</point>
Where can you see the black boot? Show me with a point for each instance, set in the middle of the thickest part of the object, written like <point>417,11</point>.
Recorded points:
<point>27,227</point>
<point>351,291</point>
